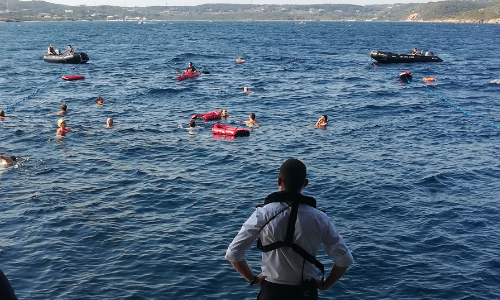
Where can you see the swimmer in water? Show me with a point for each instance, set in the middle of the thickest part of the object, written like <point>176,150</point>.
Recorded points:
<point>7,161</point>
<point>224,115</point>
<point>62,127</point>
<point>251,120</point>
<point>99,101</point>
<point>109,123</point>
<point>2,114</point>
<point>246,91</point>
<point>192,124</point>
<point>64,109</point>
<point>322,121</point>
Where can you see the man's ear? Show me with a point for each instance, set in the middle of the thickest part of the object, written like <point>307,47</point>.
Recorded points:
<point>306,182</point>
<point>280,181</point>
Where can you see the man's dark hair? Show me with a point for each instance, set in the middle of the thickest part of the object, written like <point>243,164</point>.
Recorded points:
<point>293,173</point>
<point>252,116</point>
<point>64,107</point>
<point>13,158</point>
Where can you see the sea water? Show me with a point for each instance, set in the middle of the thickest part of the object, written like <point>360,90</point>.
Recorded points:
<point>407,172</point>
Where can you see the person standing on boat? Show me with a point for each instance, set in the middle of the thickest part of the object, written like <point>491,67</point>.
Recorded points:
<point>290,231</point>
<point>416,52</point>
<point>69,49</point>
<point>191,68</point>
<point>51,51</point>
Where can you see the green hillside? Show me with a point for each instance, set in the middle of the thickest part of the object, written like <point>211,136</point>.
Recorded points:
<point>488,13</point>
<point>475,10</point>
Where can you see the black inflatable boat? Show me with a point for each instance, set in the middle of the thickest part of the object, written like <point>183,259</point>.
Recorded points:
<point>75,58</point>
<point>390,58</point>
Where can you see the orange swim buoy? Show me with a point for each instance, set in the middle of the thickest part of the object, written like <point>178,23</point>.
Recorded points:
<point>240,61</point>
<point>427,79</point>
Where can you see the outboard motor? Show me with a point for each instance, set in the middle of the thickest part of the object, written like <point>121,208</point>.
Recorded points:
<point>429,53</point>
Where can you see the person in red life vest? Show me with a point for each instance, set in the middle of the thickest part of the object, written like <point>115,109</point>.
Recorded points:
<point>289,231</point>
<point>191,68</point>
<point>62,127</point>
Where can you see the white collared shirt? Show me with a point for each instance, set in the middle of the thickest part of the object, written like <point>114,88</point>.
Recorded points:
<point>283,265</point>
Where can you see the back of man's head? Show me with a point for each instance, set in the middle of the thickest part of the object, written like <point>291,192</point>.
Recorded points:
<point>293,174</point>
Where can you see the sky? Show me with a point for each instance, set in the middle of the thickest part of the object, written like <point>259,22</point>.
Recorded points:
<point>132,3</point>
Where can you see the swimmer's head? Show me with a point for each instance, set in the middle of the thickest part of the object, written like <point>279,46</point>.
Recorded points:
<point>252,116</point>
<point>325,117</point>
<point>223,112</point>
<point>192,123</point>
<point>99,100</point>
<point>64,107</point>
<point>61,122</point>
<point>190,64</point>
<point>245,89</point>
<point>2,113</point>
<point>292,175</point>
<point>109,122</point>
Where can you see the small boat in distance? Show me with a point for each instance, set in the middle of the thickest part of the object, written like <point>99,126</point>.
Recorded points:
<point>75,58</point>
<point>389,57</point>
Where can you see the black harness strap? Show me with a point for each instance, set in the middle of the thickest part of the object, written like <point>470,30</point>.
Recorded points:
<point>289,239</point>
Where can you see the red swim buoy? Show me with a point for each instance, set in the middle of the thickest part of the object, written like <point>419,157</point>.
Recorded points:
<point>72,77</point>
<point>232,131</point>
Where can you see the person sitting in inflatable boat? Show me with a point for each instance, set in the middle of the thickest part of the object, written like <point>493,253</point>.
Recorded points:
<point>51,51</point>
<point>416,52</point>
<point>69,50</point>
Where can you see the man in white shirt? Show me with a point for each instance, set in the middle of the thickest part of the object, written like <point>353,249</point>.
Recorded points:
<point>290,231</point>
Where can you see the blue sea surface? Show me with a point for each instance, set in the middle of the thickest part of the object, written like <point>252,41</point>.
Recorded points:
<point>408,173</point>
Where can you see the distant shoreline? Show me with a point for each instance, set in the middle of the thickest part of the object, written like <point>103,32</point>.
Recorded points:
<point>494,21</point>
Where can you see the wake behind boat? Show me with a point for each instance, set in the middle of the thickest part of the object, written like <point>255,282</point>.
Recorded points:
<point>70,58</point>
<point>389,58</point>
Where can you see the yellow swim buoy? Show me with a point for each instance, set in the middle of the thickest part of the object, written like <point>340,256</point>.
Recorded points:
<point>240,61</point>
<point>427,79</point>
